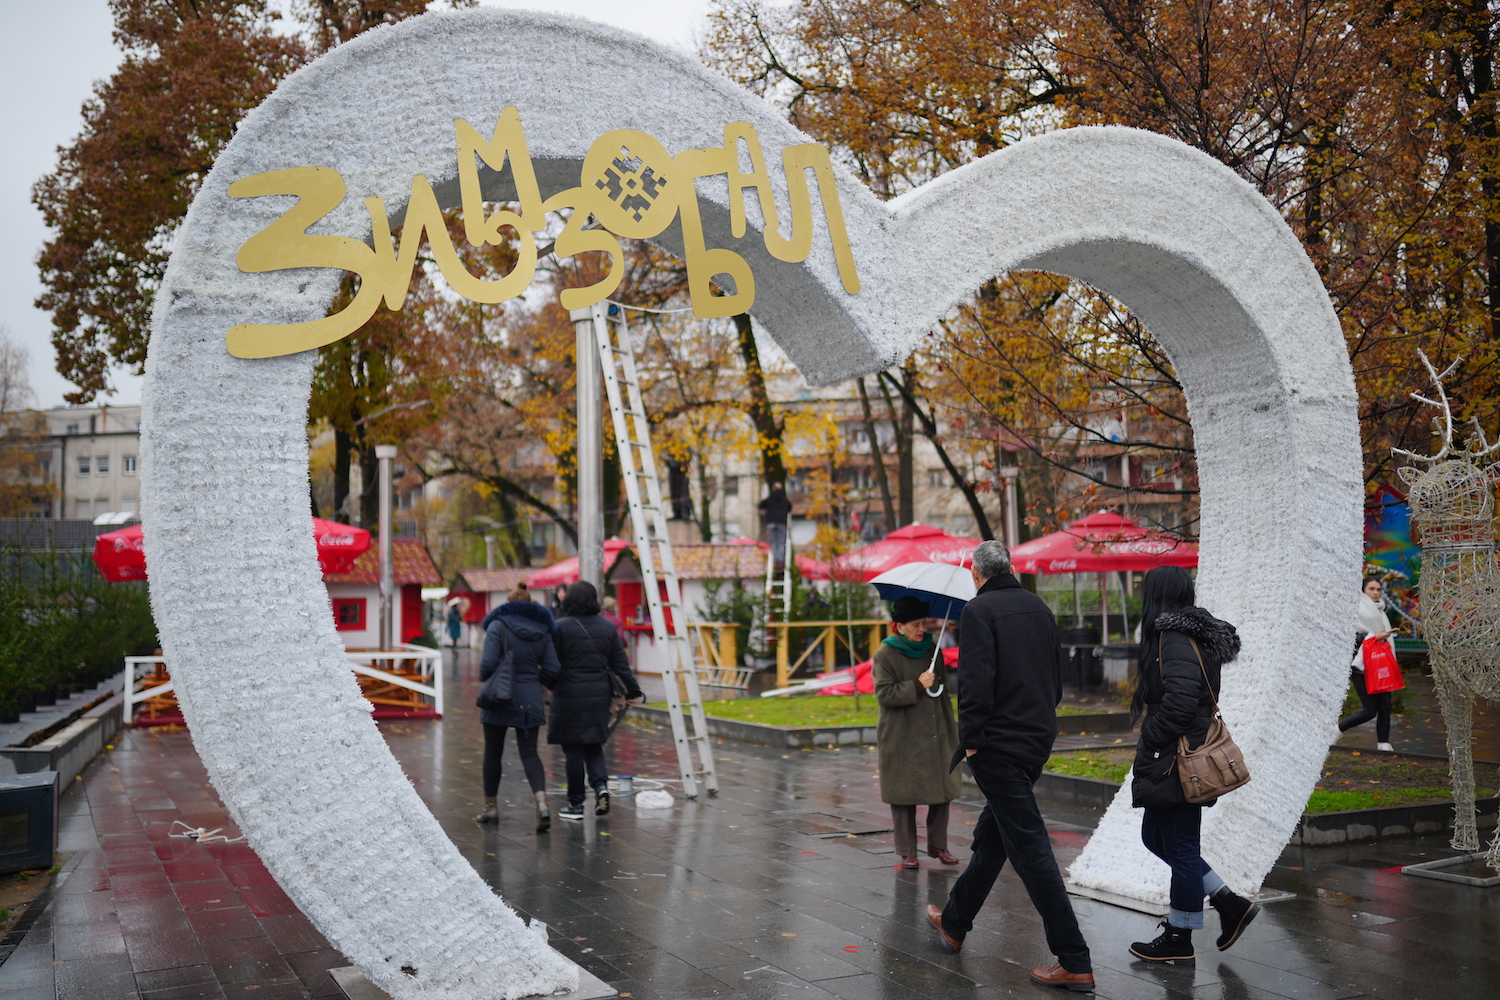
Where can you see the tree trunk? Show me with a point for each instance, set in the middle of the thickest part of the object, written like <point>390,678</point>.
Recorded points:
<point>930,431</point>
<point>369,494</point>
<point>705,504</point>
<point>877,455</point>
<point>342,446</point>
<point>902,434</point>
<point>758,407</point>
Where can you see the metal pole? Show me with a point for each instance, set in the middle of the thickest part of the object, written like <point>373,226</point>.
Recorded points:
<point>590,509</point>
<point>384,453</point>
<point>1012,475</point>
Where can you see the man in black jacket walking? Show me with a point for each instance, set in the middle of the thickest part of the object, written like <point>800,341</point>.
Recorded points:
<point>1009,684</point>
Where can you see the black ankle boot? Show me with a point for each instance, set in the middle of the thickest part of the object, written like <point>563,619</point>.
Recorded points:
<point>1235,914</point>
<point>1174,944</point>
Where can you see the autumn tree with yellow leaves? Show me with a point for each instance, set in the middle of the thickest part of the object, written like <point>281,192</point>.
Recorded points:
<point>1371,127</point>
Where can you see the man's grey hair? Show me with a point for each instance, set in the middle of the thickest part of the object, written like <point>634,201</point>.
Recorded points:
<point>992,559</point>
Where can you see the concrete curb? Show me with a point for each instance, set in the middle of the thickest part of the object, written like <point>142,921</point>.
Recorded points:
<point>1353,826</point>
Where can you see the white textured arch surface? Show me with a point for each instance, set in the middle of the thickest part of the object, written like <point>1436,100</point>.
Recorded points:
<point>1197,254</point>
<point>1215,274</point>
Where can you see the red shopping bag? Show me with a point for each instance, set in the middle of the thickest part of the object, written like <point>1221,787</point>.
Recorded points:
<point>1382,673</point>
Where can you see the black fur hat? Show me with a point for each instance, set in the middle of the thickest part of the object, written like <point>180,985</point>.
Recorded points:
<point>908,609</point>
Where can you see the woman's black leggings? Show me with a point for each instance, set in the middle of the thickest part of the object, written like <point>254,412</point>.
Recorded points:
<point>1371,706</point>
<point>494,748</point>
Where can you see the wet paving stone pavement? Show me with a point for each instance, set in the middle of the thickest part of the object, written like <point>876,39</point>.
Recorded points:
<point>760,892</point>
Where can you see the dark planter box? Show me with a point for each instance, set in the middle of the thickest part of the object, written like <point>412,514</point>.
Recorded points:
<point>28,821</point>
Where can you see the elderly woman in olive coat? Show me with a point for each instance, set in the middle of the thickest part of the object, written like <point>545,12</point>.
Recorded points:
<point>917,735</point>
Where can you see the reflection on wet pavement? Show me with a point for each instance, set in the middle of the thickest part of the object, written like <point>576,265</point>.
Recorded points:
<point>761,892</point>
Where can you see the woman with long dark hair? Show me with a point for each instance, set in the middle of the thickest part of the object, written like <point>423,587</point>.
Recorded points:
<point>1182,650</point>
<point>589,648</point>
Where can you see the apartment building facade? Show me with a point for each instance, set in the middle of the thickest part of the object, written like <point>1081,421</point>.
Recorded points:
<point>92,459</point>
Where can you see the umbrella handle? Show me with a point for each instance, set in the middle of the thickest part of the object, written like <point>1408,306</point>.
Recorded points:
<point>935,651</point>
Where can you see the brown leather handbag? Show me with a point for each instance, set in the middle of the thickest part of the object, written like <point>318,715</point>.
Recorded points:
<point>1216,767</point>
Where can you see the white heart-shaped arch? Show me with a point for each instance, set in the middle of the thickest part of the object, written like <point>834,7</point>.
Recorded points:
<point>1197,254</point>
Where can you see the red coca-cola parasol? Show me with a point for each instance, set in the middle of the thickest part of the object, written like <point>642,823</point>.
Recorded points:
<point>1103,543</point>
<point>120,556</point>
<point>913,543</point>
<point>565,571</point>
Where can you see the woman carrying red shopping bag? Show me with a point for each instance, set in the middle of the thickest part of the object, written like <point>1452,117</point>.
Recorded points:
<point>1373,672</point>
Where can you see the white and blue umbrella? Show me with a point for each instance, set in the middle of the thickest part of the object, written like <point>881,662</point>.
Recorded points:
<point>937,584</point>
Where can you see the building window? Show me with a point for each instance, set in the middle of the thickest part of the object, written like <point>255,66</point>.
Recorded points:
<point>127,465</point>
<point>938,478</point>
<point>349,614</point>
<point>72,428</point>
<point>127,505</point>
<point>83,465</point>
<point>81,509</point>
<point>101,465</point>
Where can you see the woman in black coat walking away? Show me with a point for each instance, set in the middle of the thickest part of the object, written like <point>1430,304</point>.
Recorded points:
<point>1182,650</point>
<point>524,629</point>
<point>589,649</point>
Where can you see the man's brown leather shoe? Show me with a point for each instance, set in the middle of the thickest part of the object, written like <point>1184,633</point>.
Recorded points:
<point>950,945</point>
<point>910,862</point>
<point>1056,975</point>
<point>943,855</point>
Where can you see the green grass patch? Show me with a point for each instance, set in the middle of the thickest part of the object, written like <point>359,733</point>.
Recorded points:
<point>1102,765</point>
<point>1327,802</point>
<point>1351,779</point>
<point>796,712</point>
<point>801,712</point>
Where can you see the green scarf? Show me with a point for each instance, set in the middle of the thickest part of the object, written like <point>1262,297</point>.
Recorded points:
<point>915,650</point>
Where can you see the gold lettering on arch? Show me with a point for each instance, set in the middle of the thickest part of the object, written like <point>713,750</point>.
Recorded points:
<point>629,184</point>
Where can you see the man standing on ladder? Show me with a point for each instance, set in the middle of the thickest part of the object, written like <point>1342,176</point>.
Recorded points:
<point>774,510</point>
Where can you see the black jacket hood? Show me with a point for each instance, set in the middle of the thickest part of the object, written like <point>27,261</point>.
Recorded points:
<point>1218,639</point>
<point>529,611</point>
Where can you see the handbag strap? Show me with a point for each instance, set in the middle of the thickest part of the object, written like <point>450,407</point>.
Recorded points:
<point>1206,682</point>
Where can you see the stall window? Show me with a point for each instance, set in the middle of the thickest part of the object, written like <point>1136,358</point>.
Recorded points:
<point>349,613</point>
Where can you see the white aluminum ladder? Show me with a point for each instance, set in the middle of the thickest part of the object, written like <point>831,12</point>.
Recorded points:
<point>778,592</point>
<point>648,518</point>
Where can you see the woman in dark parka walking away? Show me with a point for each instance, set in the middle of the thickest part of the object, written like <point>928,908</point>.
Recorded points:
<point>1177,690</point>
<point>525,630</point>
<point>589,648</point>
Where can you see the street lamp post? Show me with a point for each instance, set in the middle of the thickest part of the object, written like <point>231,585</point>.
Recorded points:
<point>385,453</point>
<point>590,451</point>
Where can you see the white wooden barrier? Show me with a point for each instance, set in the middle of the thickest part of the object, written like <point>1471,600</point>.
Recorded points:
<point>364,662</point>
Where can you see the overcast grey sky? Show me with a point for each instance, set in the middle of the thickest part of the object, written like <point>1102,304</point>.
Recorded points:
<point>59,49</point>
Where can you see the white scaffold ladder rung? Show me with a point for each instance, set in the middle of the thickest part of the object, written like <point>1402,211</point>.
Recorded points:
<point>648,519</point>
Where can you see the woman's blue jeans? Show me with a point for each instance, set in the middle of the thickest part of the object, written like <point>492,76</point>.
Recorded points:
<point>1172,834</point>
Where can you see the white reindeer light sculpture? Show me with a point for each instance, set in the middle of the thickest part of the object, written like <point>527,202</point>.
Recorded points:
<point>1453,508</point>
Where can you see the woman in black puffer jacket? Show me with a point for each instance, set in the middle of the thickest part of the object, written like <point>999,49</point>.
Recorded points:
<point>1176,689</point>
<point>588,650</point>
<point>524,629</point>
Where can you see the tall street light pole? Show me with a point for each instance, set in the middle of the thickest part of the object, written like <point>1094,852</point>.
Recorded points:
<point>385,453</point>
<point>590,507</point>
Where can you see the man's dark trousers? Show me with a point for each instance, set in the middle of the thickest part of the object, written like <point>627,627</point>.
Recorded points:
<point>1011,827</point>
